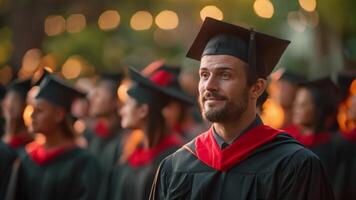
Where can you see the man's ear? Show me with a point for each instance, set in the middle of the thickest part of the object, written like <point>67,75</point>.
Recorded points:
<point>60,114</point>
<point>258,87</point>
<point>143,110</point>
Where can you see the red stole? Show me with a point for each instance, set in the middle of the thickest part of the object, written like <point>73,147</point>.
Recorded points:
<point>41,155</point>
<point>350,135</point>
<point>310,140</point>
<point>141,157</point>
<point>101,129</point>
<point>208,151</point>
<point>19,140</point>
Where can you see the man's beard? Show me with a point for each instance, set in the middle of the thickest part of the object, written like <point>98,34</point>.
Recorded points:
<point>231,110</point>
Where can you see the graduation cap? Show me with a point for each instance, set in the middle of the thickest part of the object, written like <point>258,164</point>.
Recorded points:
<point>58,92</point>
<point>164,80</point>
<point>262,52</point>
<point>21,87</point>
<point>292,77</point>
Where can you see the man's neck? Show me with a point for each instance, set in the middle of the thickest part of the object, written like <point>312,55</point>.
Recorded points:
<point>230,130</point>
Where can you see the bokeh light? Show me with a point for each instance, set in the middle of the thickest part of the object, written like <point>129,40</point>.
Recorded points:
<point>263,8</point>
<point>211,11</point>
<point>141,20</point>
<point>109,20</point>
<point>167,20</point>
<point>75,23</point>
<point>72,68</point>
<point>54,25</point>
<point>308,5</point>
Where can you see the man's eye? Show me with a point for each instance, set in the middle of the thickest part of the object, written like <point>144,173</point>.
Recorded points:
<point>204,75</point>
<point>226,76</point>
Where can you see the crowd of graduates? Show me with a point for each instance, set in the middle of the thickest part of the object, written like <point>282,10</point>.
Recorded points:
<point>104,138</point>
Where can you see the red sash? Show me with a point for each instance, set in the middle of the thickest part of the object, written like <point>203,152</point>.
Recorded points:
<point>19,140</point>
<point>141,157</point>
<point>208,151</point>
<point>41,155</point>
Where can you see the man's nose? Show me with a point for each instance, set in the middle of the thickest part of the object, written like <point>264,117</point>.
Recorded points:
<point>211,84</point>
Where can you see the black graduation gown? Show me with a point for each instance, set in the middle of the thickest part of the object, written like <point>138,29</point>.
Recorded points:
<point>279,169</point>
<point>74,174</point>
<point>344,180</point>
<point>107,149</point>
<point>133,181</point>
<point>7,157</point>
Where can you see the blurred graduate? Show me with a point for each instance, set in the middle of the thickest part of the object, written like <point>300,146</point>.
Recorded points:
<point>148,96</point>
<point>57,169</point>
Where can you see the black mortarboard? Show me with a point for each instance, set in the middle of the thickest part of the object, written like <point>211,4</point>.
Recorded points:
<point>21,87</point>
<point>292,77</point>
<point>262,52</point>
<point>58,92</point>
<point>164,80</point>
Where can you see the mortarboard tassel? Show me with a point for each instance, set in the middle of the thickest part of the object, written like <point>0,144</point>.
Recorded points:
<point>252,57</point>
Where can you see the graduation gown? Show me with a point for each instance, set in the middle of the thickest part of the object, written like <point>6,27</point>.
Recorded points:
<point>320,143</point>
<point>345,175</point>
<point>18,142</point>
<point>263,163</point>
<point>64,173</point>
<point>106,146</point>
<point>133,179</point>
<point>7,157</point>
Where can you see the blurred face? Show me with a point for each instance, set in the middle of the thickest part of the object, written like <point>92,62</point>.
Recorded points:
<point>172,113</point>
<point>80,108</point>
<point>133,115</point>
<point>13,106</point>
<point>46,117</point>
<point>223,91</point>
<point>352,110</point>
<point>287,92</point>
<point>303,110</point>
<point>102,102</point>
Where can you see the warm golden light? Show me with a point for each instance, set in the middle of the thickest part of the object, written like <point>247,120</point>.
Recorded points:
<point>79,126</point>
<point>122,90</point>
<point>72,68</point>
<point>109,20</point>
<point>27,115</point>
<point>141,20</point>
<point>31,61</point>
<point>54,25</point>
<point>272,114</point>
<point>308,5</point>
<point>353,87</point>
<point>263,8</point>
<point>167,20</point>
<point>76,23</point>
<point>211,11</point>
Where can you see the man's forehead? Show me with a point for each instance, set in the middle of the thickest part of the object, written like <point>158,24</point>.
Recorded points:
<point>221,61</point>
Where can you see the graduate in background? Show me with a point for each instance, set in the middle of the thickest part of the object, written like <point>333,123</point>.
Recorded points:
<point>239,157</point>
<point>7,158</point>
<point>314,117</point>
<point>13,106</point>
<point>106,140</point>
<point>345,142</point>
<point>132,178</point>
<point>288,85</point>
<point>57,169</point>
